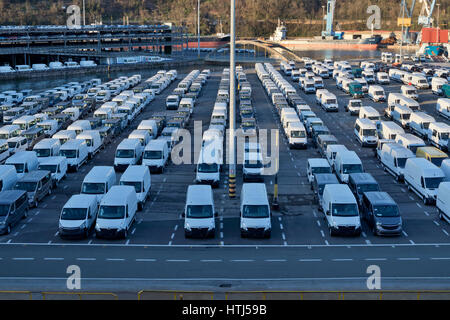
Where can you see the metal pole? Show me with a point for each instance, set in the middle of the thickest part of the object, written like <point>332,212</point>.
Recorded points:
<point>403,22</point>
<point>198,28</point>
<point>437,29</point>
<point>84,14</point>
<point>275,204</point>
<point>232,158</point>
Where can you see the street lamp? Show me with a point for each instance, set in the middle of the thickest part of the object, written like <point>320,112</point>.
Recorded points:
<point>232,157</point>
<point>438,33</point>
<point>323,17</point>
<point>198,28</point>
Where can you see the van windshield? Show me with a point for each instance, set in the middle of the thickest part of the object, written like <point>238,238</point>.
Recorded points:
<point>344,210</point>
<point>153,154</point>
<point>367,188</point>
<point>351,168</point>
<point>19,167</point>
<point>4,210</point>
<point>69,154</point>
<point>255,211</point>
<point>320,170</point>
<point>199,211</point>
<point>73,214</point>
<point>369,132</point>
<point>27,186</point>
<point>111,212</point>
<point>437,161</point>
<point>405,116</point>
<point>444,135</point>
<point>121,153</point>
<point>298,134</point>
<point>386,211</point>
<point>433,183</point>
<point>208,167</point>
<point>41,153</point>
<point>401,162</point>
<point>137,185</point>
<point>93,188</point>
<point>49,167</point>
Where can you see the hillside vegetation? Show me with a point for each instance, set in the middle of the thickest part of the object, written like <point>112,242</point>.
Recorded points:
<point>255,18</point>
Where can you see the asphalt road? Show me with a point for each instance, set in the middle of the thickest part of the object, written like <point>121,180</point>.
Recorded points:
<point>299,255</point>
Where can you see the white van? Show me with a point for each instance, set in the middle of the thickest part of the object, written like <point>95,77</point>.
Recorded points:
<point>347,162</point>
<point>393,158</point>
<point>76,153</point>
<point>172,102</point>
<point>142,135</point>
<point>341,210</point>
<point>420,123</point>
<point>156,155</point>
<point>199,212</point>
<point>78,216</point>
<point>16,144</point>
<point>410,141</point>
<point>65,135</point>
<point>366,132</point>
<point>419,81</point>
<point>423,178</point>
<point>8,177</point>
<point>9,131</point>
<point>402,115</point>
<point>317,166</point>
<point>47,148</point>
<point>117,212</point>
<point>99,181</point>
<point>49,126</point>
<point>409,92</point>
<point>25,123</point>
<point>24,161</point>
<point>332,150</point>
<point>376,93</point>
<point>150,126</point>
<point>128,152</point>
<point>389,130</point>
<point>329,102</point>
<point>297,136</point>
<point>139,178</point>
<point>443,201</point>
<point>438,135</point>
<point>93,141</point>
<point>255,211</point>
<point>436,85</point>
<point>4,150</point>
<point>73,113</point>
<point>209,164</point>
<point>79,126</point>
<point>369,113</point>
<point>57,166</point>
<point>382,78</point>
<point>103,96</point>
<point>443,107</point>
<point>394,98</point>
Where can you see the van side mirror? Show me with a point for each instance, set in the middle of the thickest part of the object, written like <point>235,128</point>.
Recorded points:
<point>327,212</point>
<point>183,214</point>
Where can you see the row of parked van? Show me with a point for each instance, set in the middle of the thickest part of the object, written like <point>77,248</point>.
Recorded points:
<point>56,65</point>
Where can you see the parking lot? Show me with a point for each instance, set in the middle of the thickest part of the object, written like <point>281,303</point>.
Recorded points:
<point>298,222</point>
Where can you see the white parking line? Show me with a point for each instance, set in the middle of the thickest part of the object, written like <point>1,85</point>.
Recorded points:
<point>439,258</point>
<point>426,213</point>
<point>211,260</point>
<point>145,260</point>
<point>412,242</point>
<point>436,223</point>
<point>23,259</point>
<point>411,198</point>
<point>418,204</point>
<point>342,260</point>
<point>368,242</point>
<point>54,259</point>
<point>86,259</point>
<point>90,241</point>
<point>310,260</point>
<point>318,223</point>
<point>134,230</point>
<point>408,259</point>
<point>275,260</point>
<point>243,260</point>
<point>404,233</point>
<point>322,233</point>
<point>128,241</point>
<point>444,231</point>
<point>364,234</point>
<point>56,234</point>
<point>177,260</point>
<point>375,259</point>
<point>114,259</point>
<point>175,228</point>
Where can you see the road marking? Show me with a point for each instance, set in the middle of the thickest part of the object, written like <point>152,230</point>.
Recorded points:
<point>145,260</point>
<point>375,259</point>
<point>170,243</point>
<point>172,236</point>
<point>90,241</point>
<point>436,223</point>
<point>66,186</point>
<point>56,234</point>
<point>404,233</point>
<point>310,260</point>
<point>114,259</point>
<point>444,231</point>
<point>44,205</point>
<point>342,260</point>
<point>326,242</point>
<point>49,242</point>
<point>23,259</point>
<point>408,259</point>
<point>134,230</point>
<point>128,241</point>
<point>53,197</point>
<point>23,226</point>
<point>403,190</point>
<point>31,219</point>
<point>275,260</point>
<point>211,260</point>
<point>418,204</point>
<point>15,234</point>
<point>243,260</point>
<point>175,228</point>
<point>410,197</point>
<point>283,236</point>
<point>364,234</point>
<point>322,233</point>
<point>412,242</point>
<point>368,242</point>
<point>177,260</point>
<point>86,259</point>
<point>426,213</point>
<point>318,223</point>
<point>37,212</point>
<point>9,241</point>
<point>439,258</point>
<point>54,259</point>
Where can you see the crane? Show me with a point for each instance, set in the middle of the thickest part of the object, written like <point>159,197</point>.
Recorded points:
<point>426,13</point>
<point>408,12</point>
<point>329,32</point>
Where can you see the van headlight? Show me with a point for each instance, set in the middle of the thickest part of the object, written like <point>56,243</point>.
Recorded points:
<point>83,225</point>
<point>97,227</point>
<point>244,226</point>
<point>187,226</point>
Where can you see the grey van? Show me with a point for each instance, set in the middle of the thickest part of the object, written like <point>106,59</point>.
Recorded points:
<point>381,213</point>
<point>13,208</point>
<point>359,183</point>
<point>319,183</point>
<point>37,184</point>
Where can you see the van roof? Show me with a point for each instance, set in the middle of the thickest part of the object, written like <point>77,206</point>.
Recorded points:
<point>326,178</point>
<point>119,195</point>
<point>52,160</point>
<point>134,172</point>
<point>65,133</point>
<point>156,144</point>
<point>426,167</point>
<point>45,143</point>
<point>410,138</point>
<point>364,177</point>
<point>349,157</point>
<point>81,201</point>
<point>391,125</point>
<point>336,147</point>
<point>339,193</point>
<point>72,143</point>
<point>199,195</point>
<point>398,150</point>
<point>318,162</point>
<point>99,174</point>
<point>9,196</point>
<point>129,143</point>
<point>6,168</point>
<point>366,123</point>
<point>379,198</point>
<point>440,126</point>
<point>21,156</point>
<point>422,116</point>
<point>432,151</point>
<point>34,175</point>
<point>254,194</point>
